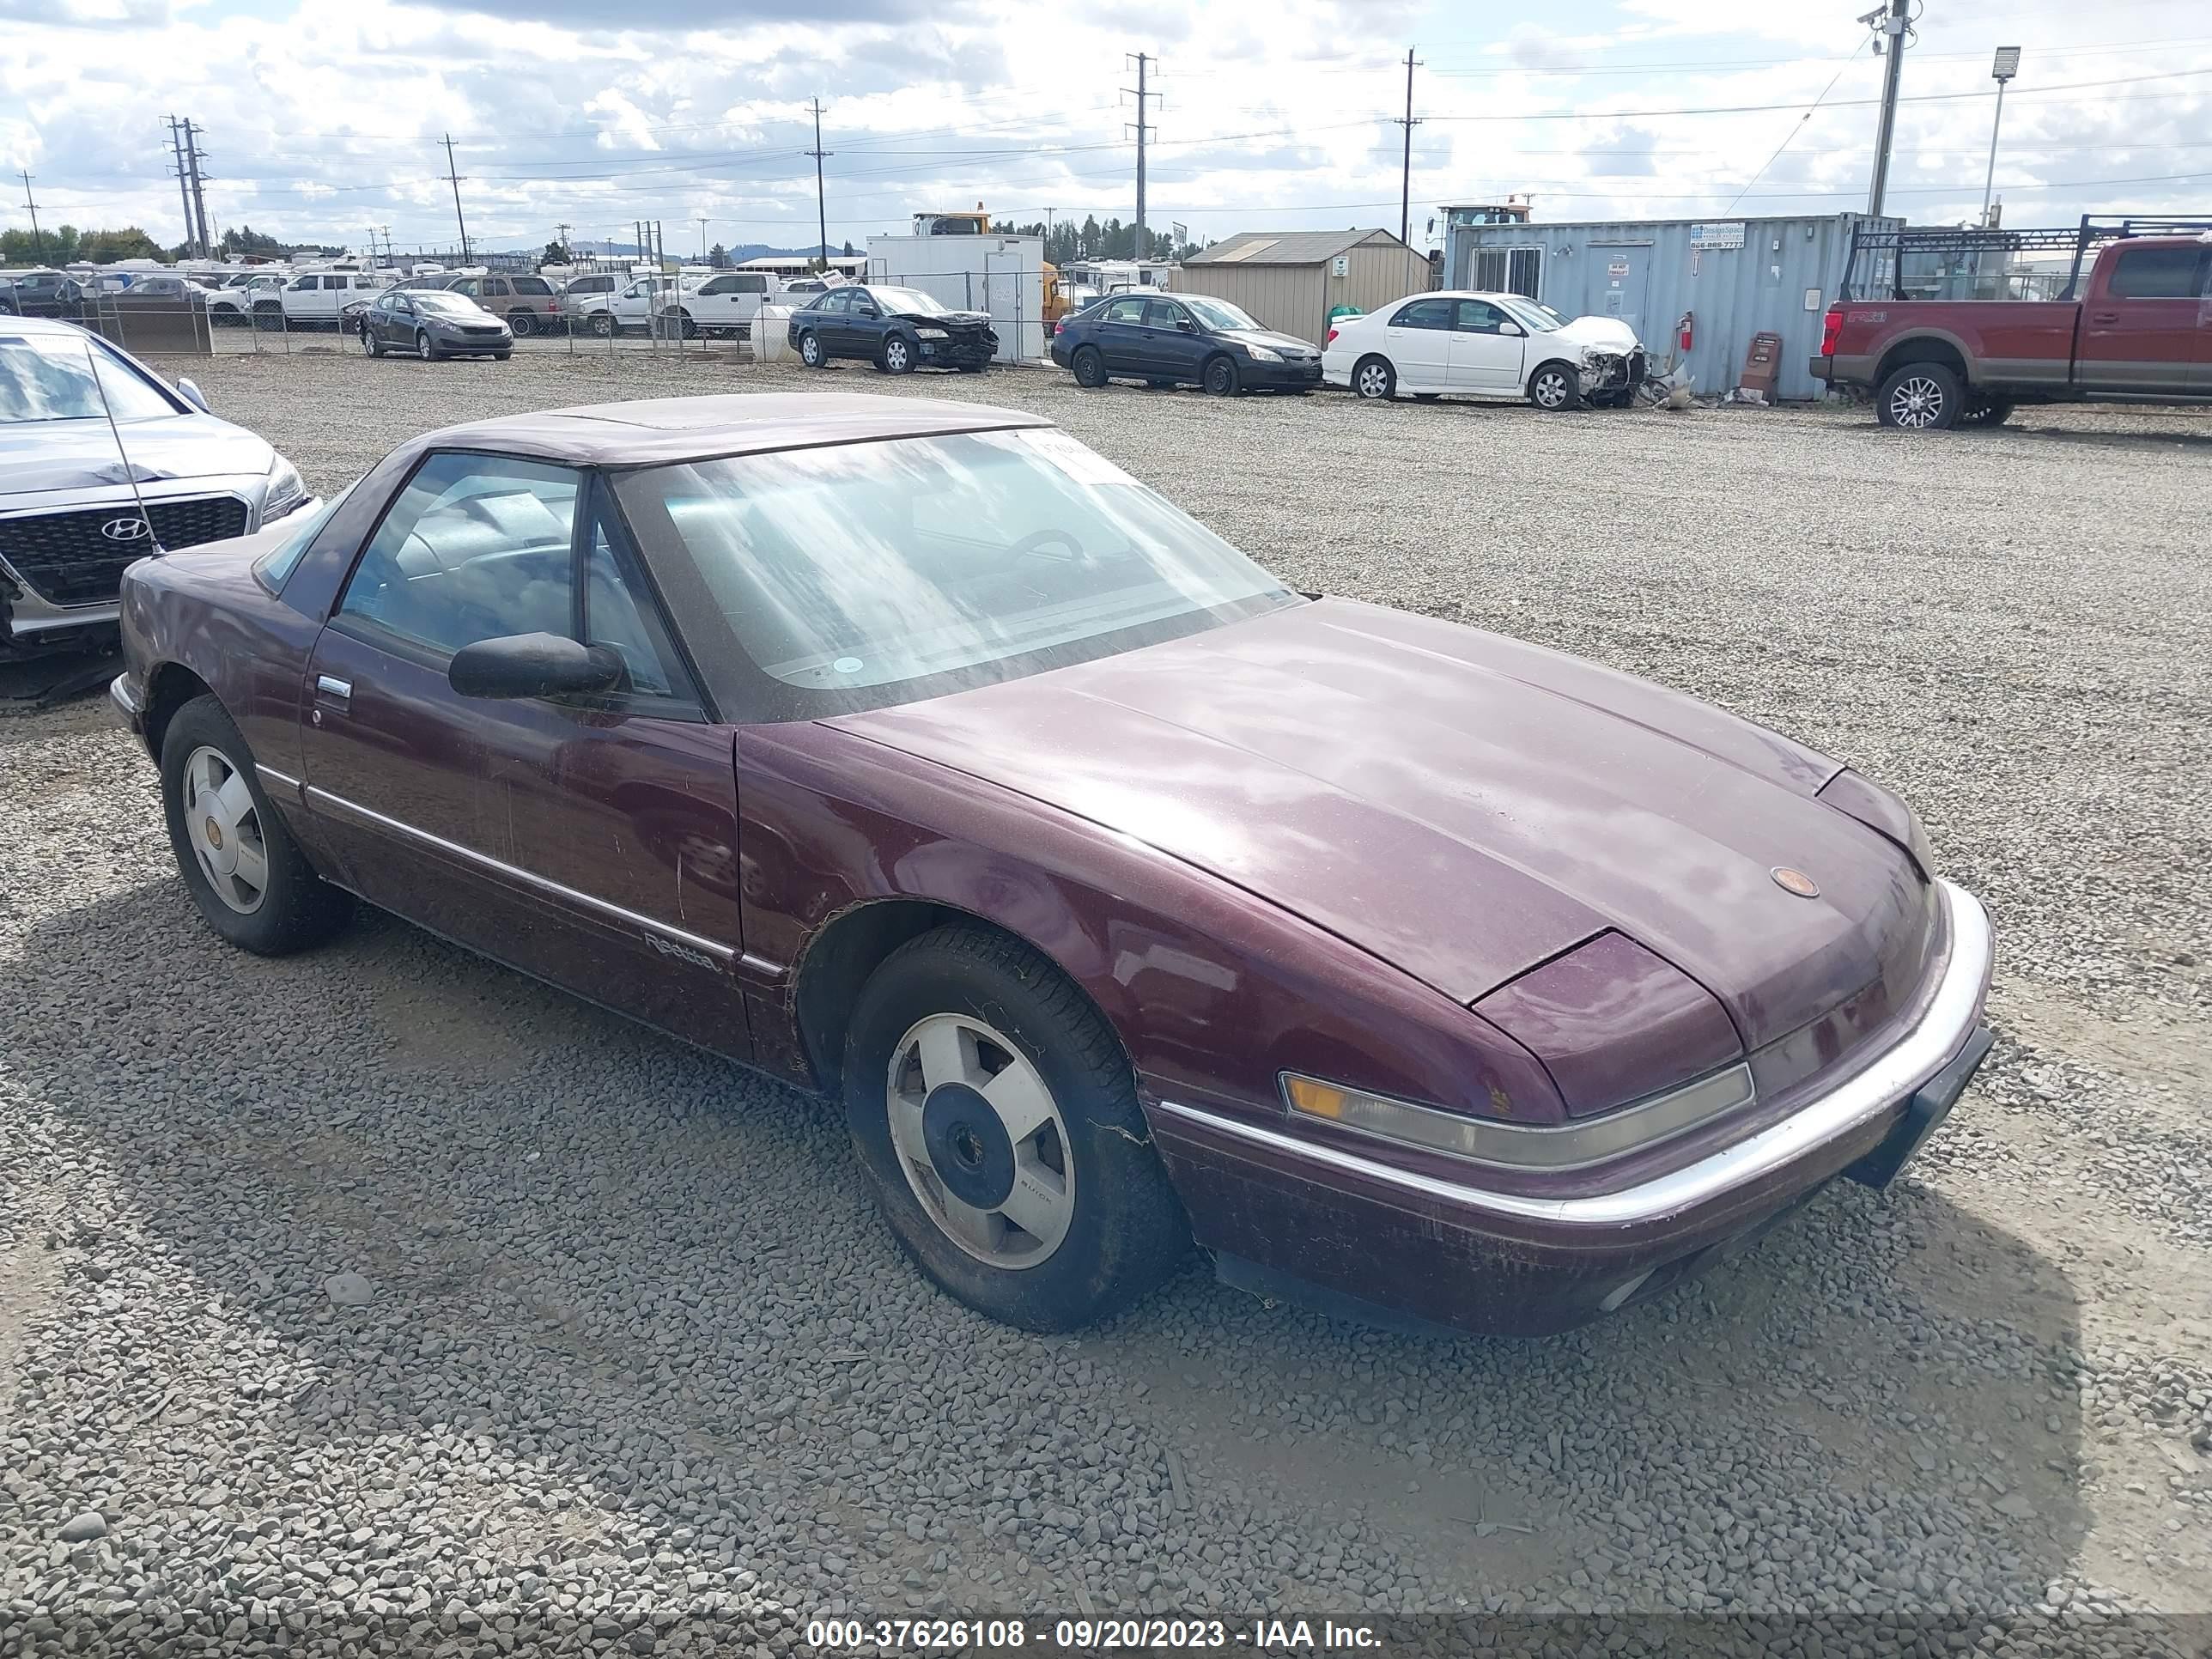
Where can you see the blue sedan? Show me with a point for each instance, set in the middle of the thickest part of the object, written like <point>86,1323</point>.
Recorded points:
<point>1183,339</point>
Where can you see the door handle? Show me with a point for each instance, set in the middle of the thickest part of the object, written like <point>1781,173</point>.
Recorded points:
<point>328,687</point>
<point>2106,317</point>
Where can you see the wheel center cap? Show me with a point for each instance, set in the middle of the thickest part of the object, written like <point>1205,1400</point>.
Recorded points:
<point>967,1145</point>
<point>215,835</point>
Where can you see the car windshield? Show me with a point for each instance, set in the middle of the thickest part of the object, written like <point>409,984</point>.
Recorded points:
<point>908,299</point>
<point>857,575</point>
<point>1217,313</point>
<point>454,305</point>
<point>1535,318</point>
<point>50,378</point>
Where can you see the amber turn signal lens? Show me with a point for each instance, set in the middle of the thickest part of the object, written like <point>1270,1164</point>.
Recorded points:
<point>1314,1099</point>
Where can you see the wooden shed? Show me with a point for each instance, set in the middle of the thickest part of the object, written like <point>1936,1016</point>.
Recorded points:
<point>1292,280</point>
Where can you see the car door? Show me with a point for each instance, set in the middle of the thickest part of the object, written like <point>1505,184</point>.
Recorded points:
<point>1173,343</point>
<point>588,841</point>
<point>1418,341</point>
<point>862,326</point>
<point>1121,340</point>
<point>2141,333</point>
<point>1486,349</point>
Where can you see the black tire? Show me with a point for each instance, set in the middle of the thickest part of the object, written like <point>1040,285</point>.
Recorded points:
<point>1920,397</point>
<point>269,318</point>
<point>1089,367</point>
<point>370,345</point>
<point>811,352</point>
<point>1221,379</point>
<point>898,355</point>
<point>297,909</point>
<point>500,357</point>
<point>423,349</point>
<point>1988,411</point>
<point>521,324</point>
<point>1376,378</point>
<point>675,322</point>
<point>604,326</point>
<point>1555,388</point>
<point>1127,1231</point>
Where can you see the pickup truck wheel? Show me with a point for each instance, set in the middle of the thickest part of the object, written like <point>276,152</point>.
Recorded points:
<point>1920,397</point>
<point>1554,387</point>
<point>995,1115</point>
<point>604,324</point>
<point>1988,411</point>
<point>521,324</point>
<point>270,318</point>
<point>243,871</point>
<point>1089,367</point>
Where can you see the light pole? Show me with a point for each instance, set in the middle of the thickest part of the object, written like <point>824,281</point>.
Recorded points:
<point>2007,66</point>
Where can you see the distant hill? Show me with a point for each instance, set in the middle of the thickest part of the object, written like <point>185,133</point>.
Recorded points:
<point>738,254</point>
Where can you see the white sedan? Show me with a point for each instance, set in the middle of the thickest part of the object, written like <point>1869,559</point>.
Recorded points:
<point>1484,345</point>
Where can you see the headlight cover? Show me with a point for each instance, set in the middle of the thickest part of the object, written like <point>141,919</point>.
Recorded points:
<point>1264,354</point>
<point>931,334</point>
<point>285,490</point>
<point>1524,1146</point>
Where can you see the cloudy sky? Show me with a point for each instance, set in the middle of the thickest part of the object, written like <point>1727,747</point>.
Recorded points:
<point>321,120</point>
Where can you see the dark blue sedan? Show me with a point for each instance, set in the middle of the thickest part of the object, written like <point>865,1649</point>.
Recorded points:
<point>1183,339</point>
<point>898,330</point>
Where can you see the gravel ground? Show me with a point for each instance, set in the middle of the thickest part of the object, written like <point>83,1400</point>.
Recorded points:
<point>384,1301</point>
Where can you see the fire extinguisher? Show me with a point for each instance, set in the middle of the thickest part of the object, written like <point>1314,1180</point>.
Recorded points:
<point>1686,332</point>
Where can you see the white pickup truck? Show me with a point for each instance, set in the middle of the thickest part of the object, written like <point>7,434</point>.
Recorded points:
<point>315,299</point>
<point>725,304</point>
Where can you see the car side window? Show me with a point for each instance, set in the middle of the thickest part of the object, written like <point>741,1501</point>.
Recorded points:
<point>1481,317</point>
<point>1124,311</point>
<point>749,284</point>
<point>2156,273</point>
<point>1164,313</point>
<point>836,300</point>
<point>1424,313</point>
<point>495,286</point>
<point>299,284</point>
<point>619,610</point>
<point>476,547</point>
<point>333,282</point>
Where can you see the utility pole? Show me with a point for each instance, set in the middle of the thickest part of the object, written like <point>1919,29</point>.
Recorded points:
<point>1142,134</point>
<point>390,257</point>
<point>821,205</point>
<point>454,176</point>
<point>2006,66</point>
<point>1406,178</point>
<point>1890,24</point>
<point>184,177</point>
<point>38,242</point>
<point>561,231</point>
<point>192,159</point>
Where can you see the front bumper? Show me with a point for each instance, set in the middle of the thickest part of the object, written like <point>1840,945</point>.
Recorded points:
<point>962,351</point>
<point>1320,1222</point>
<point>1275,377</point>
<point>129,707</point>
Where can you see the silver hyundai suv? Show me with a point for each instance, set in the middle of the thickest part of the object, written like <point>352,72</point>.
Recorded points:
<point>72,517</point>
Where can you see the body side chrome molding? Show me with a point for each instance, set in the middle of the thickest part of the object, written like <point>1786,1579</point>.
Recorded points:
<point>723,954</point>
<point>281,779</point>
<point>1884,1084</point>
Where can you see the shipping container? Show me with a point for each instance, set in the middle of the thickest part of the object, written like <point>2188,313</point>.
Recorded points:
<point>1733,278</point>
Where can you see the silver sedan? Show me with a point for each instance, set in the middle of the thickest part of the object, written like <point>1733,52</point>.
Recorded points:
<point>101,464</point>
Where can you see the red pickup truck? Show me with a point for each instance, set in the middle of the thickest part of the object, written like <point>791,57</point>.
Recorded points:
<point>2141,332</point>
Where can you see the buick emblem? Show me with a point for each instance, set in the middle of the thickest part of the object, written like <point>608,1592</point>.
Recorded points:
<point>126,530</point>
<point>1795,881</point>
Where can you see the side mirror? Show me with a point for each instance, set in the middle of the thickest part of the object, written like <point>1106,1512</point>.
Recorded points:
<point>193,395</point>
<point>533,665</point>
<point>1186,327</point>
<point>1511,330</point>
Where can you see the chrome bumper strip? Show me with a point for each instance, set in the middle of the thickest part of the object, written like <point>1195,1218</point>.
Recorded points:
<point>1882,1085</point>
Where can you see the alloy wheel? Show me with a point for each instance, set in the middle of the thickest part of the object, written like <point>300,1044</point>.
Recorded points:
<point>981,1141</point>
<point>894,357</point>
<point>1373,381</point>
<point>1915,401</point>
<point>1551,390</point>
<point>810,351</point>
<point>423,348</point>
<point>224,822</point>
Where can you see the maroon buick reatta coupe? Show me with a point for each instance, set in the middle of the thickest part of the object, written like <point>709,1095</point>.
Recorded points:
<point>911,751</point>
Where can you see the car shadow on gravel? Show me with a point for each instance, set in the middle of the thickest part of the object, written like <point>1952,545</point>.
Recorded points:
<point>627,1306</point>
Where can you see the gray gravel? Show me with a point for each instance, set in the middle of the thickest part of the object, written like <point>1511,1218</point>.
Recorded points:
<point>383,1301</point>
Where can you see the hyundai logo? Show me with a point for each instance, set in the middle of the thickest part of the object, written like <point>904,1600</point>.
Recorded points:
<point>126,530</point>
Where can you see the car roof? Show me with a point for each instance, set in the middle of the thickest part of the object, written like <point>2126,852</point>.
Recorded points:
<point>654,431</point>
<point>40,325</point>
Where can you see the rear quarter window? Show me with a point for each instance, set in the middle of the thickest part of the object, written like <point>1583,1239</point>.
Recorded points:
<point>536,285</point>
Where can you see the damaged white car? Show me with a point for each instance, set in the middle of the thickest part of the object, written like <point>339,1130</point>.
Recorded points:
<point>1485,345</point>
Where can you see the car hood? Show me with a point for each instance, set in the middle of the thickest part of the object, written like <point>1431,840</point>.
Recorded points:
<point>42,455</point>
<point>946,319</point>
<point>1606,333</point>
<point>1460,804</point>
<point>1268,337</point>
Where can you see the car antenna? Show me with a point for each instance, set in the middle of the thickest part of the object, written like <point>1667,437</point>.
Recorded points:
<point>129,472</point>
